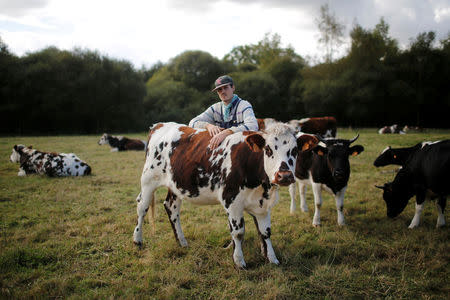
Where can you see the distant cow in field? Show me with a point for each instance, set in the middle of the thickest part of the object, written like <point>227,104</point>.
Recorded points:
<point>242,174</point>
<point>323,126</point>
<point>326,167</point>
<point>51,164</point>
<point>391,129</point>
<point>425,173</point>
<point>264,123</point>
<point>407,129</point>
<point>121,143</point>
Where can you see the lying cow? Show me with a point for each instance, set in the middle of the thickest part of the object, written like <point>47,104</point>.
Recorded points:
<point>424,174</point>
<point>242,174</point>
<point>391,129</point>
<point>121,143</point>
<point>326,167</point>
<point>51,164</point>
<point>322,126</point>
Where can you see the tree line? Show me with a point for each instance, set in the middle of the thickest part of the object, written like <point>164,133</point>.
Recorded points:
<point>54,91</point>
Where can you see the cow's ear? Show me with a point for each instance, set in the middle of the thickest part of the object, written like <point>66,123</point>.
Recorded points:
<point>256,142</point>
<point>16,148</point>
<point>307,142</point>
<point>319,150</point>
<point>31,146</point>
<point>355,150</point>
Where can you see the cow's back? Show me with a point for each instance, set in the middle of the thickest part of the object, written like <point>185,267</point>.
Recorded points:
<point>430,166</point>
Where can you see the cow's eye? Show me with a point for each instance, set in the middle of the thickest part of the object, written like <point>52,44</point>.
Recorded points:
<point>294,152</point>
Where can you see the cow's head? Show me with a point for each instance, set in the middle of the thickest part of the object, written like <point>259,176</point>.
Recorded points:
<point>386,157</point>
<point>395,198</point>
<point>337,152</point>
<point>103,140</point>
<point>17,151</point>
<point>280,148</point>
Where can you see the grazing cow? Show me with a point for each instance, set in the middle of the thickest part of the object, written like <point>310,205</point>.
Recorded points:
<point>322,126</point>
<point>242,174</point>
<point>424,174</point>
<point>325,167</point>
<point>264,123</point>
<point>51,164</point>
<point>121,143</point>
<point>391,129</point>
<point>395,156</point>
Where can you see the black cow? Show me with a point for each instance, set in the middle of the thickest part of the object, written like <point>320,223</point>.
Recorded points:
<point>324,167</point>
<point>121,143</point>
<point>395,156</point>
<point>425,174</point>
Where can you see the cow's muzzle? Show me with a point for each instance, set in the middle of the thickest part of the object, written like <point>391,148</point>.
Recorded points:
<point>284,178</point>
<point>339,175</point>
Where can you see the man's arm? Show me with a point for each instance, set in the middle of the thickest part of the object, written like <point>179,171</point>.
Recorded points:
<point>203,119</point>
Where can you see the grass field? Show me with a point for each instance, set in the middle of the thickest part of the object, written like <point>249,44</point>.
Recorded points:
<point>72,237</point>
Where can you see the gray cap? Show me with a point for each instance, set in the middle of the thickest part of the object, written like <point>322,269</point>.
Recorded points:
<point>222,81</point>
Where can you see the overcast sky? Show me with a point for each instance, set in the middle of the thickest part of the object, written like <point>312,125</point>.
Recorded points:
<point>148,31</point>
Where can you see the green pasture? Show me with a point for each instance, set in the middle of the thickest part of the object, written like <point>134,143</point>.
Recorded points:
<point>72,237</point>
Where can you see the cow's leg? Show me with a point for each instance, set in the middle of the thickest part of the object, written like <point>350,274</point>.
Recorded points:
<point>262,223</point>
<point>339,197</point>
<point>317,191</point>
<point>440,205</point>
<point>420,199</point>
<point>21,172</point>
<point>237,229</point>
<point>302,191</point>
<point>144,200</point>
<point>172,205</point>
<point>292,193</point>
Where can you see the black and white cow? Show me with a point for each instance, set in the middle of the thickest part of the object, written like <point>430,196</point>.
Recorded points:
<point>242,174</point>
<point>121,143</point>
<point>326,167</point>
<point>51,164</point>
<point>391,129</point>
<point>395,156</point>
<point>425,174</point>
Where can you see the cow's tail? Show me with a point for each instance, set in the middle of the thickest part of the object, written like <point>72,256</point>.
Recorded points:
<point>152,209</point>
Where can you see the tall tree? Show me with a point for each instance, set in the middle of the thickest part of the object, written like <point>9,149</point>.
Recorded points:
<point>331,32</point>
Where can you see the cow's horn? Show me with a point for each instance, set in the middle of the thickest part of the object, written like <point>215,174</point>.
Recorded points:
<point>354,139</point>
<point>380,186</point>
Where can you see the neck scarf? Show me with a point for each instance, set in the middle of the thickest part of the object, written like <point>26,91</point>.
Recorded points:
<point>227,108</point>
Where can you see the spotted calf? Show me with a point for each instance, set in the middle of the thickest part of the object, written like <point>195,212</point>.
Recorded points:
<point>51,164</point>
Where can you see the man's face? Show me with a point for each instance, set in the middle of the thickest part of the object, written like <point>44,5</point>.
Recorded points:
<point>226,93</point>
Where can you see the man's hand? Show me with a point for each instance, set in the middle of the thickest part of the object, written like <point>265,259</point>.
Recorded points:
<point>213,129</point>
<point>218,138</point>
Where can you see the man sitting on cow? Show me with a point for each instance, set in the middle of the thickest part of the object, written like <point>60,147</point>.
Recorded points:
<point>230,115</point>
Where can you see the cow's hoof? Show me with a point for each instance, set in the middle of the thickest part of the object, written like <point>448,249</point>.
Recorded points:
<point>139,244</point>
<point>440,225</point>
<point>342,224</point>
<point>317,225</point>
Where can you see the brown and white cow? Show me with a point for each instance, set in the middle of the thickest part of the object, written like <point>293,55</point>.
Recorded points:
<point>121,143</point>
<point>51,164</point>
<point>242,174</point>
<point>323,126</point>
<point>264,123</point>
